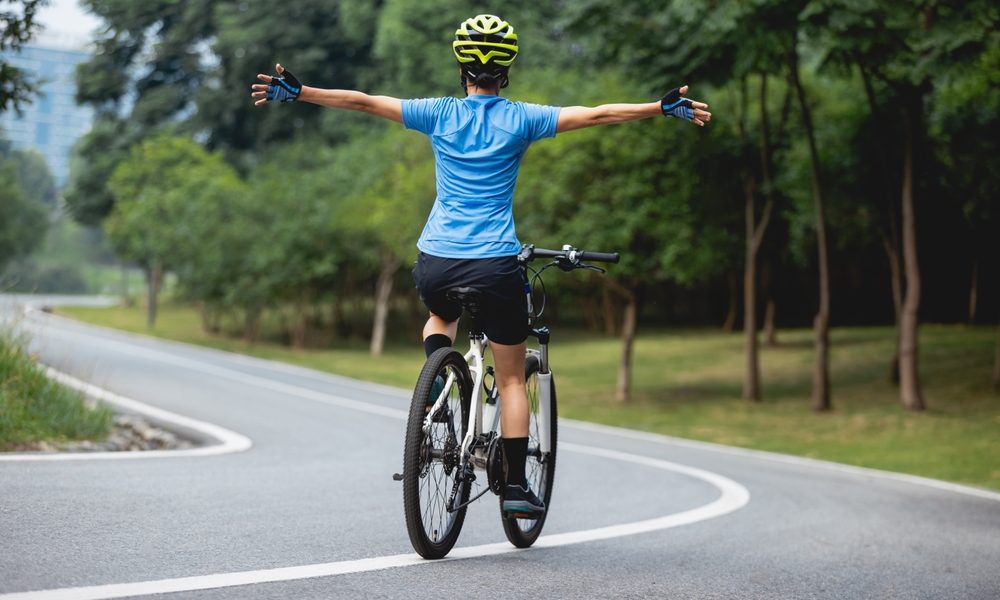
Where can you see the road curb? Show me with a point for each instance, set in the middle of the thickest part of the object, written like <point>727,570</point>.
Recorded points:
<point>215,440</point>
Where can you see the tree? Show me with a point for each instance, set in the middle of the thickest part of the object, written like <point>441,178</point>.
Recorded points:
<point>963,138</point>
<point>142,79</point>
<point>391,211</point>
<point>821,323</point>
<point>761,50</point>
<point>720,42</point>
<point>305,248</point>
<point>95,157</point>
<point>616,189</point>
<point>908,48</point>
<point>23,221</point>
<point>34,176</point>
<point>325,44</point>
<point>18,26</point>
<point>155,190</point>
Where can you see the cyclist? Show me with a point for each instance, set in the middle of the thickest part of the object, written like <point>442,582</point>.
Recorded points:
<point>469,239</point>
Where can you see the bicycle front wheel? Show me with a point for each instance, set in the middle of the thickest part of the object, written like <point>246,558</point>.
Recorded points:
<point>540,469</point>
<point>432,478</point>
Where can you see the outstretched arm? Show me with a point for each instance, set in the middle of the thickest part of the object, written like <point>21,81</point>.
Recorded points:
<point>578,117</point>
<point>380,106</point>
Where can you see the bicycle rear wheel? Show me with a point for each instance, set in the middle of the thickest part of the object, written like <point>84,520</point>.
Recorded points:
<point>431,460</point>
<point>541,468</point>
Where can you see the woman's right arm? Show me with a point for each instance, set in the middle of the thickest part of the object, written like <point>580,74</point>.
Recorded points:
<point>287,88</point>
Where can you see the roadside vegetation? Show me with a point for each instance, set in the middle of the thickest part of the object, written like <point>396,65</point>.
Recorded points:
<point>688,383</point>
<point>33,408</point>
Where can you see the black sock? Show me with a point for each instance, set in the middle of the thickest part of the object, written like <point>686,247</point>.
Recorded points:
<point>436,341</point>
<point>515,450</point>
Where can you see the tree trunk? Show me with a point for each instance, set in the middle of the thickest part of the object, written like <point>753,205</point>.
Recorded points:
<point>770,330</point>
<point>974,293</point>
<point>730,323</point>
<point>591,308</point>
<point>251,326</point>
<point>896,276</point>
<point>608,304</point>
<point>624,388</point>
<point>996,362</point>
<point>210,319</point>
<point>751,372</point>
<point>299,328</point>
<point>909,375</point>
<point>154,278</point>
<point>890,243</point>
<point>821,323</point>
<point>383,291</point>
<point>754,238</point>
<point>125,298</point>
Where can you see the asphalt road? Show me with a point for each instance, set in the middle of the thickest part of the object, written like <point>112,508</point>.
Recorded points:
<point>310,510</point>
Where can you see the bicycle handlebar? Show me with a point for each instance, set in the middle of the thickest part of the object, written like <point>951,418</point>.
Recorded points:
<point>568,254</point>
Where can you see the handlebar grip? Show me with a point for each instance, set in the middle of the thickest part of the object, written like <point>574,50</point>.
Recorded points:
<point>543,253</point>
<point>530,252</point>
<point>608,257</point>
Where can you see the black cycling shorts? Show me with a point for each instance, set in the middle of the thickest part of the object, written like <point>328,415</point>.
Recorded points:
<point>504,312</point>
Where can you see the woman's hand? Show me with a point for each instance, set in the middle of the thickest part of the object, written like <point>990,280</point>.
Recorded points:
<point>674,104</point>
<point>285,87</point>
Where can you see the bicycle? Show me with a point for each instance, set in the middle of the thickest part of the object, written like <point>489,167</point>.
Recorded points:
<point>447,444</point>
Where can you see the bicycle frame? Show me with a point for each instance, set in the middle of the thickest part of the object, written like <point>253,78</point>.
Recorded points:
<point>487,414</point>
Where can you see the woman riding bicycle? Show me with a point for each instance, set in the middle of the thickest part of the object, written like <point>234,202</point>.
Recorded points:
<point>469,239</point>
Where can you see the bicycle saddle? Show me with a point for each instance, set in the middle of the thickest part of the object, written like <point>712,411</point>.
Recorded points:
<point>467,296</point>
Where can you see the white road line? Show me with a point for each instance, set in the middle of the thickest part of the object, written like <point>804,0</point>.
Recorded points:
<point>227,441</point>
<point>733,496</point>
<point>801,461</point>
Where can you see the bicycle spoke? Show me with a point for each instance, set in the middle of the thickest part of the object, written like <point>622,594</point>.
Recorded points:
<point>437,486</point>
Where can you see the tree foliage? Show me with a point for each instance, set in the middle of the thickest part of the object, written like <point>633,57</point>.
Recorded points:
<point>26,196</point>
<point>17,26</point>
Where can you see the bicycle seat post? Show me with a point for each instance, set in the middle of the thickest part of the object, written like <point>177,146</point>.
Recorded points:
<point>471,301</point>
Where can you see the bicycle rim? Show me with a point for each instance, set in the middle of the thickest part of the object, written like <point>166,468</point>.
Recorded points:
<point>431,460</point>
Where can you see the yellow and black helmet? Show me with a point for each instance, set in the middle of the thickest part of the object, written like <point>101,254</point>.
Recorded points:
<point>485,47</point>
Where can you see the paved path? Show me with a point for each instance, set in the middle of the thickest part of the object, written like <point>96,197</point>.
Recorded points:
<point>309,510</point>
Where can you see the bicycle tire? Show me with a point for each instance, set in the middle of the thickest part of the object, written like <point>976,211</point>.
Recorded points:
<point>428,481</point>
<point>540,470</point>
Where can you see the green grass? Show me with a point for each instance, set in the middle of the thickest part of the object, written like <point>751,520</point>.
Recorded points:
<point>687,383</point>
<point>34,408</point>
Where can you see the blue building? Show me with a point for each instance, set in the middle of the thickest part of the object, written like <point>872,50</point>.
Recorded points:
<point>53,122</point>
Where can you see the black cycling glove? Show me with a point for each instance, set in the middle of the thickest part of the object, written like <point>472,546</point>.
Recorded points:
<point>675,105</point>
<point>284,88</point>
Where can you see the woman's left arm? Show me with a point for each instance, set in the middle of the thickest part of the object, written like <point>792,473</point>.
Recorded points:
<point>673,104</point>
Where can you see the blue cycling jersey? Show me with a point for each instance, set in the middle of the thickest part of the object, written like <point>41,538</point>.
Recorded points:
<point>478,144</point>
